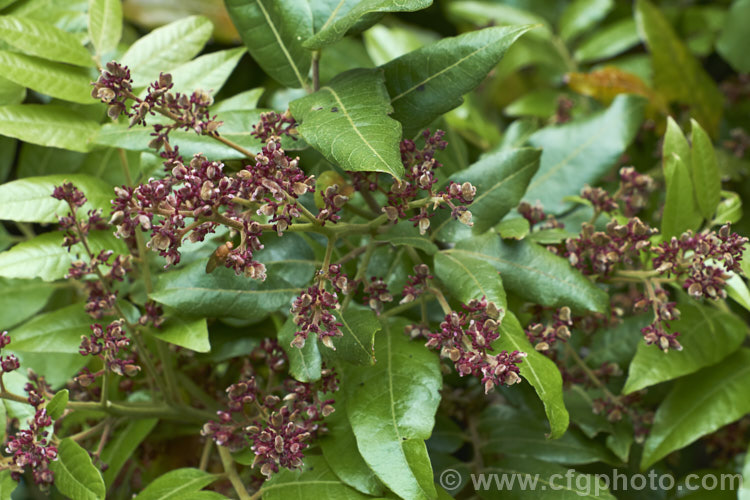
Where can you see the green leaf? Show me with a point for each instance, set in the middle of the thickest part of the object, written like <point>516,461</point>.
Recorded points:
<point>59,331</point>
<point>501,179</point>
<point>427,82</point>
<point>731,42</point>
<point>289,257</point>
<point>698,405</point>
<point>105,24</point>
<point>207,72</point>
<point>608,41</point>
<point>677,74</point>
<point>7,484</point>
<point>122,445</point>
<point>75,475</point>
<point>392,403</point>
<point>46,77</point>
<point>56,406</point>
<point>359,327</point>
<point>539,371</point>
<point>737,290</point>
<point>539,480</point>
<point>582,151</point>
<point>315,480</point>
<point>533,272</point>
<point>582,15</point>
<point>273,31</point>
<point>47,125</point>
<point>347,122</point>
<point>419,242</point>
<point>675,142</point>
<point>680,208</point>
<point>342,19</point>
<point>339,447</point>
<point>188,333</point>
<point>30,199</point>
<point>22,299</point>
<point>707,336</point>
<point>467,277</point>
<point>192,291</point>
<point>244,101</point>
<point>482,13</point>
<point>165,48</point>
<point>516,228</point>
<point>11,93</point>
<point>385,43</point>
<point>304,363</point>
<point>704,170</point>
<point>176,484</point>
<point>44,256</point>
<point>44,40</point>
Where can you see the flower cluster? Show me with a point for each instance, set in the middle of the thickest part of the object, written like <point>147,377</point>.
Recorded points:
<point>113,87</point>
<point>312,313</point>
<point>543,336</point>
<point>106,344</point>
<point>273,124</point>
<point>10,362</point>
<point>664,312</point>
<point>416,285</point>
<point>535,215</point>
<point>466,337</point>
<point>634,190</point>
<point>376,294</point>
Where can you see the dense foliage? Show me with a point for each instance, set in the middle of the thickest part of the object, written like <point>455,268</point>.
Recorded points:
<point>373,248</point>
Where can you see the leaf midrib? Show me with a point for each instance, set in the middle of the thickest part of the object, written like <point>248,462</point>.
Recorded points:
<point>281,44</point>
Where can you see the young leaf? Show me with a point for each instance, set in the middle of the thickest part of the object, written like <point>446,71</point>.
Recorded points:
<point>675,142</point>
<point>56,406</point>
<point>359,327</point>
<point>582,151</point>
<point>165,48</point>
<point>207,72</point>
<point>677,74</point>
<point>57,331</point>
<point>177,484</point>
<point>37,38</point>
<point>21,299</point>
<point>704,170</point>
<point>188,333</point>
<point>47,125</point>
<point>582,15</point>
<point>608,41</point>
<point>273,31</point>
<point>533,272</point>
<point>680,208</point>
<point>347,122</point>
<point>707,336</point>
<point>539,371</point>
<point>392,403</point>
<point>342,19</point>
<point>75,475</point>
<point>427,82</point>
<point>122,445</point>
<point>315,480</point>
<point>105,24</point>
<point>54,79</point>
<point>468,278</point>
<point>731,42</point>
<point>698,405</point>
<point>304,363</point>
<point>30,199</point>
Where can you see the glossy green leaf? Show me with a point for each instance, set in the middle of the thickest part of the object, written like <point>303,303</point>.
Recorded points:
<point>539,371</point>
<point>56,406</point>
<point>289,257</point>
<point>54,79</point>
<point>677,74</point>
<point>582,151</point>
<point>501,180</point>
<point>737,290</point>
<point>58,331</point>
<point>207,72</point>
<point>122,445</point>
<point>44,256</point>
<point>342,19</point>
<point>10,92</point>
<point>535,273</point>
<point>581,15</point>
<point>707,336</point>
<point>427,82</point>
<point>675,142</point>
<point>7,485</point>
<point>47,125</point>
<point>385,43</point>
<point>191,290</point>
<point>347,122</point>
<point>392,403</point>
<point>176,484</point>
<point>731,43</point>
<point>244,101</point>
<point>304,363</point>
<point>21,299</point>
<point>165,48</point>
<point>704,170</point>
<point>608,41</point>
<point>44,40</point>
<point>75,475</point>
<point>315,480</point>
<point>540,480</point>
<point>188,333</point>
<point>30,199</point>
<point>359,327</point>
<point>467,277</point>
<point>698,405</point>
<point>273,31</point>
<point>516,228</point>
<point>483,13</point>
<point>680,208</point>
<point>105,24</point>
